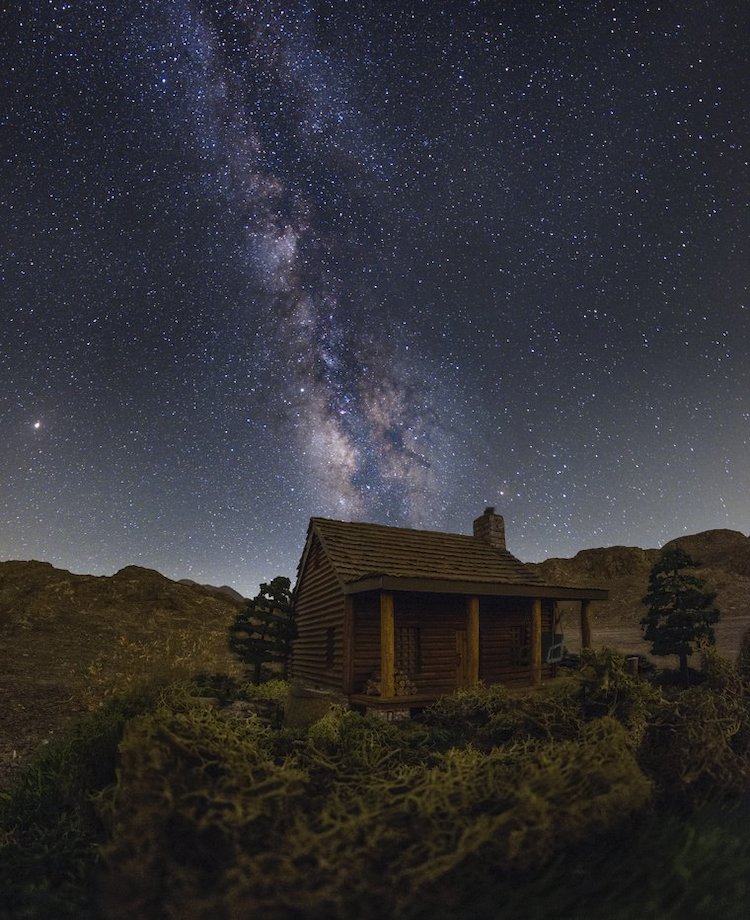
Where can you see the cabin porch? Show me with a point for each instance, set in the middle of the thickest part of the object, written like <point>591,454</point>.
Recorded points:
<point>410,648</point>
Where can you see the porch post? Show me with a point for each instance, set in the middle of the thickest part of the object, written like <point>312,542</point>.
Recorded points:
<point>472,638</point>
<point>585,625</point>
<point>387,646</point>
<point>536,641</point>
<point>347,675</point>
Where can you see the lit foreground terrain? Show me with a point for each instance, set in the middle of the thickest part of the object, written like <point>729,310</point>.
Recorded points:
<point>602,795</point>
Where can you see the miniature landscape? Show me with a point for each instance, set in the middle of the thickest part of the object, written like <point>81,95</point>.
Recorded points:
<point>724,557</point>
<point>70,642</point>
<point>146,776</point>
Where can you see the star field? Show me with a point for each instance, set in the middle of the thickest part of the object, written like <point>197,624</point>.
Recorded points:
<point>374,261</point>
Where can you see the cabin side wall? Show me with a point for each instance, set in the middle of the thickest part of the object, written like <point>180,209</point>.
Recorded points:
<point>366,627</point>
<point>317,652</point>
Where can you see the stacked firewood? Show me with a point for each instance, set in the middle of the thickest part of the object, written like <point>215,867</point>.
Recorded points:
<point>403,685</point>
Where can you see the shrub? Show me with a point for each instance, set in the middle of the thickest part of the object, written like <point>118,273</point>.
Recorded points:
<point>696,744</point>
<point>351,748</point>
<point>206,823</point>
<point>607,688</point>
<point>194,792</point>
<point>217,815</point>
<point>49,828</point>
<point>227,687</point>
<point>489,716</point>
<point>382,848</point>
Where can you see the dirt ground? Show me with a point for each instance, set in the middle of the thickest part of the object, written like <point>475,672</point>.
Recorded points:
<point>33,713</point>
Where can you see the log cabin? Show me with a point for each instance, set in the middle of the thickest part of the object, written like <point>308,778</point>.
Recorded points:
<point>393,618</point>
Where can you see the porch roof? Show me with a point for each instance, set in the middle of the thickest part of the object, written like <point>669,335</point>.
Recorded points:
<point>478,588</point>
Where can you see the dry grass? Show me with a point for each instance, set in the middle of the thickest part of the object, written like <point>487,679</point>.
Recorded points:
<point>68,643</point>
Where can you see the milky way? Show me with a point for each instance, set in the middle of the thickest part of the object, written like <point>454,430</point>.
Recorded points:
<point>356,411</point>
<point>375,261</point>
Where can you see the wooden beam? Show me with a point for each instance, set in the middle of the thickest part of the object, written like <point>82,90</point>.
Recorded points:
<point>585,624</point>
<point>472,636</point>
<point>387,646</point>
<point>347,676</point>
<point>536,641</point>
<point>480,588</point>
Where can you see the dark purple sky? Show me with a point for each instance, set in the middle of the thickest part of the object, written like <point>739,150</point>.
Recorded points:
<point>384,261</point>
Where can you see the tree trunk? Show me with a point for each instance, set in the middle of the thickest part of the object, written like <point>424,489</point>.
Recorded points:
<point>684,669</point>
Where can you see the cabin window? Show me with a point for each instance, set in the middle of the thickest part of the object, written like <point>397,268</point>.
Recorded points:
<point>408,650</point>
<point>520,654</point>
<point>330,645</point>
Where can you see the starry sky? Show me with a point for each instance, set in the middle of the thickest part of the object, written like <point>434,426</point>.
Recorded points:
<point>374,260</point>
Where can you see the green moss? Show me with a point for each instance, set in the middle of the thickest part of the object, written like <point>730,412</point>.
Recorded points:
<point>194,791</point>
<point>696,746</point>
<point>226,687</point>
<point>49,828</point>
<point>204,819</point>
<point>525,800</point>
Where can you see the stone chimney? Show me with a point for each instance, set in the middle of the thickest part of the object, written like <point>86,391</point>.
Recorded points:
<point>490,528</point>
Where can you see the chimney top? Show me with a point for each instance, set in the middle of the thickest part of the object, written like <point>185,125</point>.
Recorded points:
<point>490,528</point>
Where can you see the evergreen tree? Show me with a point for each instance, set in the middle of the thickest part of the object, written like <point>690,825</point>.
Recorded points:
<point>680,610</point>
<point>264,630</point>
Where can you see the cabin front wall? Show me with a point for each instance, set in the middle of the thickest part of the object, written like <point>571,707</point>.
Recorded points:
<point>438,623</point>
<point>433,620</point>
<point>504,639</point>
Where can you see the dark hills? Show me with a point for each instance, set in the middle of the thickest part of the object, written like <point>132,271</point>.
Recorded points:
<point>211,589</point>
<point>68,641</point>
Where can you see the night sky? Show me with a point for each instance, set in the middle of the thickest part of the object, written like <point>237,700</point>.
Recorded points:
<point>372,260</point>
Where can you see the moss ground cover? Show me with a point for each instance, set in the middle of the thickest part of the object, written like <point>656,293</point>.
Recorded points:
<point>600,796</point>
<point>50,827</point>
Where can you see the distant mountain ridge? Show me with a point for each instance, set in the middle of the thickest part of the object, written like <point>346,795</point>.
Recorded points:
<point>212,589</point>
<point>724,558</point>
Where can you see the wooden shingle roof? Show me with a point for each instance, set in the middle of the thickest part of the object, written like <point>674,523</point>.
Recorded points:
<point>362,554</point>
<point>363,550</point>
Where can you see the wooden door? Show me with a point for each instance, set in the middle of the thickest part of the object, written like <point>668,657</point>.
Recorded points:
<point>462,658</point>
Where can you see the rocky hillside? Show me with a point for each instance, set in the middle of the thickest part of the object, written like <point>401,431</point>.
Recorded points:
<point>725,565</point>
<point>211,589</point>
<point>68,641</point>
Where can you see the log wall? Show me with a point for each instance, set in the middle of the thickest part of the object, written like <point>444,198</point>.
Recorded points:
<point>319,605</point>
<point>439,617</point>
<point>366,629</point>
<point>497,617</point>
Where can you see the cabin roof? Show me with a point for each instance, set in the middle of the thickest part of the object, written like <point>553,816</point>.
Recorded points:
<point>370,556</point>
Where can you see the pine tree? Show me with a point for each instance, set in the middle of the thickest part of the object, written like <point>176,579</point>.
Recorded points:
<point>264,630</point>
<point>680,610</point>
